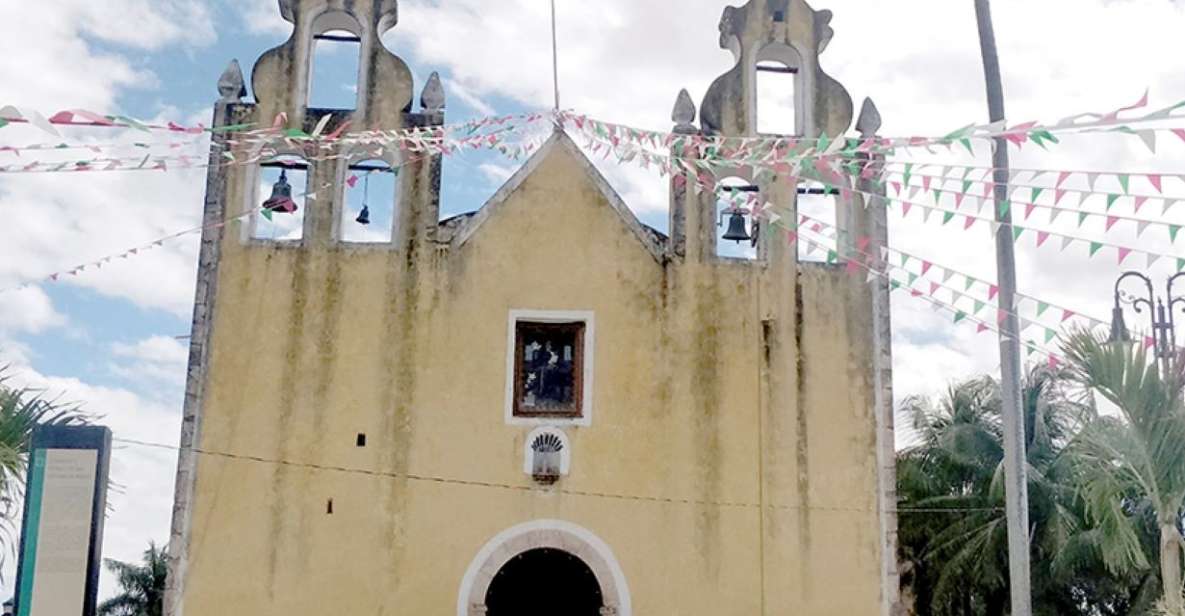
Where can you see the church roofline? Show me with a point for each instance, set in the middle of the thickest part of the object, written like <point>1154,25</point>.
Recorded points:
<point>561,139</point>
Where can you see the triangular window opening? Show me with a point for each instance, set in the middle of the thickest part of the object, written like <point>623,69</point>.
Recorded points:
<point>279,205</point>
<point>371,200</point>
<point>335,66</point>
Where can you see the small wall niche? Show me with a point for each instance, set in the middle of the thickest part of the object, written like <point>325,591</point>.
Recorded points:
<point>371,199</point>
<point>278,203</point>
<point>335,66</point>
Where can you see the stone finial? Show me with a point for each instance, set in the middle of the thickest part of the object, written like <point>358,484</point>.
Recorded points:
<point>870,119</point>
<point>287,12</point>
<point>684,113</point>
<point>231,87</point>
<point>432,98</point>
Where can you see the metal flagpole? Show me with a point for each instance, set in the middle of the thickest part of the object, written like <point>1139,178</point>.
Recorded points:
<point>1016,493</point>
<point>555,62</point>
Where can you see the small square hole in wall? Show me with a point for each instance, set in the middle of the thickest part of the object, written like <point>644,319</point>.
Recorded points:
<point>361,440</point>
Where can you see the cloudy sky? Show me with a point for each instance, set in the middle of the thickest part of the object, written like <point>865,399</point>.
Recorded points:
<point>111,339</point>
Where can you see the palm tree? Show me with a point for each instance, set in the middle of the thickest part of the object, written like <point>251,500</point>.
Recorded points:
<point>955,550</point>
<point>21,409</point>
<point>1137,458</point>
<point>142,586</point>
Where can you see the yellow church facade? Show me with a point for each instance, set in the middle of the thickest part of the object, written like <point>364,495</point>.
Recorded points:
<point>541,407</point>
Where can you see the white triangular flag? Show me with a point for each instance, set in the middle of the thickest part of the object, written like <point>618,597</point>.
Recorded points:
<point>1140,227</point>
<point>1152,259</point>
<point>1066,241</point>
<point>946,275</point>
<point>884,253</point>
<point>926,213</point>
<point>1168,204</point>
<point>1091,178</point>
<point>870,277</point>
<point>1148,137</point>
<point>995,228</point>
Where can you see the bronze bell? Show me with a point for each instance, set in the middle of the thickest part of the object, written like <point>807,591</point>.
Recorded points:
<point>736,227</point>
<point>281,199</point>
<point>363,216</point>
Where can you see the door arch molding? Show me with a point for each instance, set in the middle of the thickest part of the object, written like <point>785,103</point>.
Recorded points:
<point>557,534</point>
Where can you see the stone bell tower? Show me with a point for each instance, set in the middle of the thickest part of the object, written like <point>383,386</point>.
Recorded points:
<point>789,36</point>
<point>280,84</point>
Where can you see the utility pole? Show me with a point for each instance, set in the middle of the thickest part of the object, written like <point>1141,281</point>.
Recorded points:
<point>1016,489</point>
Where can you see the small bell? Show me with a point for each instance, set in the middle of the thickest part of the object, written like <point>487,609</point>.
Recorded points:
<point>363,216</point>
<point>736,227</point>
<point>281,199</point>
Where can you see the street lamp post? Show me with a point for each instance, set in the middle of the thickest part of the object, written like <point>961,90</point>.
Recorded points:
<point>1160,315</point>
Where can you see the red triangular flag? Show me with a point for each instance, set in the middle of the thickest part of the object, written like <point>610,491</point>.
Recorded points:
<point>992,291</point>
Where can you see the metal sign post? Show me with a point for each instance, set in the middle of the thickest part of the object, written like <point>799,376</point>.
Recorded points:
<point>62,527</point>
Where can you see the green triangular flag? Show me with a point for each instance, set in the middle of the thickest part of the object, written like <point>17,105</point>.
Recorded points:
<point>824,142</point>
<point>1049,335</point>
<point>3,122</point>
<point>894,285</point>
<point>1082,218</point>
<point>296,133</point>
<point>978,306</point>
<point>1016,231</point>
<point>904,259</point>
<point>1111,200</point>
<point>267,214</point>
<point>1094,247</point>
<point>937,195</point>
<point>912,278</point>
<point>947,216</point>
<point>967,144</point>
<point>959,316</point>
<point>1173,230</point>
<point>832,256</point>
<point>1030,348</point>
<point>907,174</point>
<point>966,186</point>
<point>1041,308</point>
<point>1180,264</point>
<point>968,283</point>
<point>1036,193</point>
<point>1004,207</point>
<point>1123,181</point>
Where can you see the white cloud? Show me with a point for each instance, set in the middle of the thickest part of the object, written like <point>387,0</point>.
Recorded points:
<point>28,310</point>
<point>475,102</point>
<point>159,358</point>
<point>496,173</point>
<point>263,17</point>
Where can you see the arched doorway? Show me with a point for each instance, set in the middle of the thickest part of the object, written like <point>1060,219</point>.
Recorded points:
<point>542,582</point>
<point>552,566</point>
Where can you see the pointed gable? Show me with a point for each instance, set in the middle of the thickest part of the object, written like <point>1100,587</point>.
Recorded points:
<point>560,144</point>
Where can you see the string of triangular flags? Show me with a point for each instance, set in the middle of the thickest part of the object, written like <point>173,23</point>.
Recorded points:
<point>140,249</point>
<point>309,149</point>
<point>704,174</point>
<point>857,267</point>
<point>900,260</point>
<point>963,195</point>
